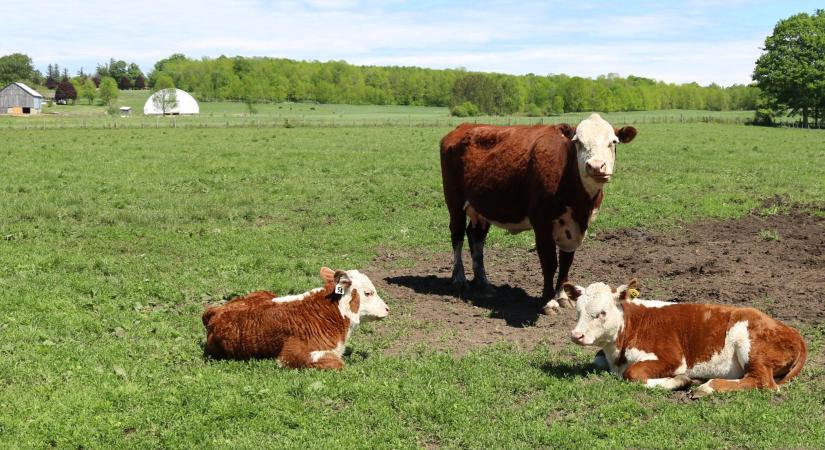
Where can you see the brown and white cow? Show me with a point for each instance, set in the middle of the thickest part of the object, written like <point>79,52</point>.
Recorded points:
<point>541,177</point>
<point>664,344</point>
<point>304,330</point>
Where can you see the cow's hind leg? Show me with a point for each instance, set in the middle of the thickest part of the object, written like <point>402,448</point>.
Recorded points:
<point>458,221</point>
<point>476,236</point>
<point>756,377</point>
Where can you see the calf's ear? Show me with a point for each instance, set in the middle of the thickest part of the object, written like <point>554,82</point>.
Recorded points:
<point>327,274</point>
<point>626,291</point>
<point>568,131</point>
<point>573,292</point>
<point>355,301</point>
<point>626,134</point>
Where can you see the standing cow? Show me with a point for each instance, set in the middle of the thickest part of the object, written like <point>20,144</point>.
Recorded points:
<point>545,178</point>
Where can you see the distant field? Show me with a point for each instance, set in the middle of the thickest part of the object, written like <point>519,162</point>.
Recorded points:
<point>231,114</point>
<point>111,242</point>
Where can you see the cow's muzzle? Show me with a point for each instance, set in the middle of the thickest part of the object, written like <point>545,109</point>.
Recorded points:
<point>597,169</point>
<point>577,337</point>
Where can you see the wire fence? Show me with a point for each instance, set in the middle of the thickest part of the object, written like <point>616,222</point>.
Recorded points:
<point>143,122</point>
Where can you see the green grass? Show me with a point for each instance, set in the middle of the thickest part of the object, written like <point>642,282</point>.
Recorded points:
<point>111,241</point>
<point>236,114</point>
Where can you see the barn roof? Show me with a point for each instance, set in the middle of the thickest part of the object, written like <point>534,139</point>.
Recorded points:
<point>27,89</point>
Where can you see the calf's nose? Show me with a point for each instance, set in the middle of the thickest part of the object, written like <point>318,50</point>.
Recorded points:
<point>577,335</point>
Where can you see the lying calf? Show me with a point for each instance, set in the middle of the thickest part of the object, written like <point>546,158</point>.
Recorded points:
<point>668,344</point>
<point>305,330</point>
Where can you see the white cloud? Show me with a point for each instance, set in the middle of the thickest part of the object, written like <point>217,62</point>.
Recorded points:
<point>663,42</point>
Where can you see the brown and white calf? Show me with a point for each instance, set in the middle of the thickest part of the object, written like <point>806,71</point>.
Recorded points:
<point>304,330</point>
<point>664,344</point>
<point>546,178</point>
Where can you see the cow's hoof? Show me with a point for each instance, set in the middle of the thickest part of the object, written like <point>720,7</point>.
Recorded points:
<point>703,390</point>
<point>551,308</point>
<point>460,286</point>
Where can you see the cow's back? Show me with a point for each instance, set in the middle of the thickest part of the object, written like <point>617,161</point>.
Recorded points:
<point>244,327</point>
<point>502,170</point>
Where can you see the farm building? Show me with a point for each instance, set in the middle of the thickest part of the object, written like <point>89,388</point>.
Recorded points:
<point>17,98</point>
<point>170,101</point>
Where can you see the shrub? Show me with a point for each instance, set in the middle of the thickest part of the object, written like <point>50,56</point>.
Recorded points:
<point>466,109</point>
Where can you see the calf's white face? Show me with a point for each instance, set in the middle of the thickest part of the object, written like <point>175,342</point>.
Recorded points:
<point>599,316</point>
<point>596,142</point>
<point>371,306</point>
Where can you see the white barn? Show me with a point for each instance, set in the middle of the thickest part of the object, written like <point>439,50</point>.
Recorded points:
<point>17,98</point>
<point>160,103</point>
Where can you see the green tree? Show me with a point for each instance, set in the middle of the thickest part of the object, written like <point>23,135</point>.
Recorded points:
<point>108,90</point>
<point>88,90</point>
<point>165,97</point>
<point>791,71</point>
<point>15,67</point>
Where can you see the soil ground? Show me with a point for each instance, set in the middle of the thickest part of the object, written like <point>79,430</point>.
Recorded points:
<point>775,263</point>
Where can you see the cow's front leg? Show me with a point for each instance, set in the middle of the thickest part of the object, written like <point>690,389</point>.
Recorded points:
<point>476,235</point>
<point>565,261</point>
<point>661,374</point>
<point>546,249</point>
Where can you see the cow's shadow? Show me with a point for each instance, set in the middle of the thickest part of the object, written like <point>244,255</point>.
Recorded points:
<point>514,305</point>
<point>565,370</point>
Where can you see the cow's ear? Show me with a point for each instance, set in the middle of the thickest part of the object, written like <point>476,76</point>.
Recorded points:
<point>568,131</point>
<point>573,292</point>
<point>327,275</point>
<point>626,134</point>
<point>627,291</point>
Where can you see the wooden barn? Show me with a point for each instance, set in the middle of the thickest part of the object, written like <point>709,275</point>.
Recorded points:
<point>17,98</point>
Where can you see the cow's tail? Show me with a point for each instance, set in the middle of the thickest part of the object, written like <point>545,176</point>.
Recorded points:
<point>801,357</point>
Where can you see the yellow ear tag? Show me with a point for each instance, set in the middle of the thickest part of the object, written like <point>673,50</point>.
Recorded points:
<point>633,293</point>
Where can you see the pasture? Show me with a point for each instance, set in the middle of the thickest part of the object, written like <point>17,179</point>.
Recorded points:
<point>113,241</point>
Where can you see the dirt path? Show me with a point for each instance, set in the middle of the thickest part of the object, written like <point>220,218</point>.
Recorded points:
<point>775,263</point>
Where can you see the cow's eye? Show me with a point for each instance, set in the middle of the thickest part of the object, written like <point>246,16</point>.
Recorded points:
<point>368,294</point>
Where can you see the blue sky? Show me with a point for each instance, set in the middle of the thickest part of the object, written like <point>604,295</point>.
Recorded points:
<point>695,40</point>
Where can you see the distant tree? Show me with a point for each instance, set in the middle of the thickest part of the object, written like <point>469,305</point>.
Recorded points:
<point>140,82</point>
<point>791,71</point>
<point>65,75</point>
<point>125,83</point>
<point>15,67</point>
<point>556,106</point>
<point>88,90</point>
<point>65,91</point>
<point>96,80</point>
<point>165,96</point>
<point>108,90</point>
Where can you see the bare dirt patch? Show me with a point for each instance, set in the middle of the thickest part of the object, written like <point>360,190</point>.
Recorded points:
<point>772,262</point>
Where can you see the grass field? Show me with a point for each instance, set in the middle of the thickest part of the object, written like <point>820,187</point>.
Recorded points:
<point>233,114</point>
<point>113,240</point>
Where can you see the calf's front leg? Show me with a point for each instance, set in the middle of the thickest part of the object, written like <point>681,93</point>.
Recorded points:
<point>657,373</point>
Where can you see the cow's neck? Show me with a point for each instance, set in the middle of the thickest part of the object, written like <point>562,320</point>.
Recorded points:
<point>583,201</point>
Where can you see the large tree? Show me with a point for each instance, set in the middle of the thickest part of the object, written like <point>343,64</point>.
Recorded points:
<point>791,71</point>
<point>165,98</point>
<point>65,91</point>
<point>15,67</point>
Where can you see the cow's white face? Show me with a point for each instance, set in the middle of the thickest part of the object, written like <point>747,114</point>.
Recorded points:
<point>371,306</point>
<point>599,315</point>
<point>596,142</point>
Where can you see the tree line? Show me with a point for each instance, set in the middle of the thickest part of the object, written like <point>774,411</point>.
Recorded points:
<point>262,79</point>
